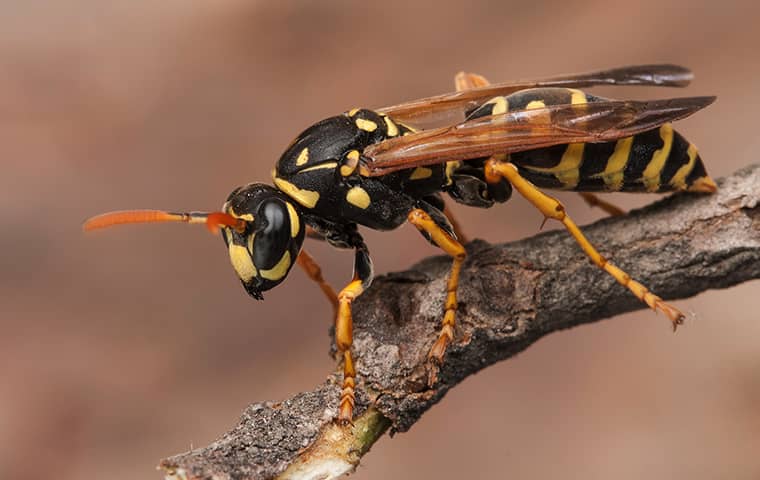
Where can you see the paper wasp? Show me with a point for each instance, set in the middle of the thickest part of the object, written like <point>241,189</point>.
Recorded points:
<point>373,168</point>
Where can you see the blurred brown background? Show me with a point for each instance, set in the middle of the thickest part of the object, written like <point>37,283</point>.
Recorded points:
<point>125,346</point>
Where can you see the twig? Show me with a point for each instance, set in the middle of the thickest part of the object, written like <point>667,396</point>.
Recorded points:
<point>510,296</point>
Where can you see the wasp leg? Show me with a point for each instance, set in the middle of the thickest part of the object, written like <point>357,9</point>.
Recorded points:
<point>314,272</point>
<point>443,239</point>
<point>467,81</point>
<point>552,208</point>
<point>463,239</point>
<point>594,201</point>
<point>344,330</point>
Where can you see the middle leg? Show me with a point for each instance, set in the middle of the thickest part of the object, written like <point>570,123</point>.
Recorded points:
<point>443,239</point>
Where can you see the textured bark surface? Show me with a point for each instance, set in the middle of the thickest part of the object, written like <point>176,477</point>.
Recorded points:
<point>510,296</point>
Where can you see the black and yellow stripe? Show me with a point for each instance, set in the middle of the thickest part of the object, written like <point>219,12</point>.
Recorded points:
<point>659,160</point>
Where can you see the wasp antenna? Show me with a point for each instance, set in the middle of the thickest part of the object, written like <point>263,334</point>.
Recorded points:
<point>212,220</point>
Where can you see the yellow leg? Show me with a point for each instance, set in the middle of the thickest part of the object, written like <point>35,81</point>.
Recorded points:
<point>468,81</point>
<point>552,208</point>
<point>594,201</point>
<point>424,223</point>
<point>314,272</point>
<point>343,340</point>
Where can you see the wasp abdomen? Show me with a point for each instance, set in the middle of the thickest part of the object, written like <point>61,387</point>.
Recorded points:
<point>658,160</point>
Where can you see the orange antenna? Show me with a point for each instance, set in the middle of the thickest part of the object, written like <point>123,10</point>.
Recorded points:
<point>212,220</point>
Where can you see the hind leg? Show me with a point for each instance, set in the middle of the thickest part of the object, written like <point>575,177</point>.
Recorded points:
<point>551,208</point>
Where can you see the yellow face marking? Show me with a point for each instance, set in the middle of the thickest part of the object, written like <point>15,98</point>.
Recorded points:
<point>651,176</point>
<point>500,105</point>
<point>248,217</point>
<point>366,125</point>
<point>358,197</point>
<point>391,127</point>
<point>613,172</point>
<point>280,270</point>
<point>295,223</point>
<point>421,173</point>
<point>303,157</point>
<point>679,178</point>
<point>241,262</point>
<point>320,166</point>
<point>307,198</point>
<point>535,104</point>
<point>352,112</point>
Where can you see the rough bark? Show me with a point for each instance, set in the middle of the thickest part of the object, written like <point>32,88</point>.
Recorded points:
<point>510,296</point>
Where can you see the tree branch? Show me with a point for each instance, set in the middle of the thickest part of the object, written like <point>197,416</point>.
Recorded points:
<point>510,296</point>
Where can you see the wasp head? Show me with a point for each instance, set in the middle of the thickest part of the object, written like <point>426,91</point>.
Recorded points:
<point>264,246</point>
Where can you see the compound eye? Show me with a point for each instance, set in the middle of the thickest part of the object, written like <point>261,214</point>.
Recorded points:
<point>273,237</point>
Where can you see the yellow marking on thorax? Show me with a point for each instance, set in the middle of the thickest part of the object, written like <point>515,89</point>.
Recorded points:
<point>307,198</point>
<point>651,176</point>
<point>295,222</point>
<point>366,125</point>
<point>241,262</point>
<point>451,167</point>
<point>358,197</point>
<point>421,173</point>
<point>391,127</point>
<point>348,168</point>
<point>279,270</point>
<point>614,171</point>
<point>353,112</point>
<point>320,166</point>
<point>500,105</point>
<point>679,178</point>
<point>303,157</point>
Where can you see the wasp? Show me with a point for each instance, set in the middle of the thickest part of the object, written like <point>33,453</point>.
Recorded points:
<point>382,168</point>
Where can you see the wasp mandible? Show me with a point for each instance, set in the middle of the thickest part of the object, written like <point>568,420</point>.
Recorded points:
<point>382,168</point>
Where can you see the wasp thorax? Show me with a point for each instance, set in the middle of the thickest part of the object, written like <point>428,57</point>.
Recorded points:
<point>263,252</point>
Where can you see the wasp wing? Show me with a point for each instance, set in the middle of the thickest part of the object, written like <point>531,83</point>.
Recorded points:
<point>451,108</point>
<point>527,130</point>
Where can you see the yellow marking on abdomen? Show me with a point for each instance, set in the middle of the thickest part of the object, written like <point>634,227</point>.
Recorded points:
<point>421,173</point>
<point>320,167</point>
<point>295,223</point>
<point>679,178</point>
<point>532,105</point>
<point>241,262</point>
<point>307,198</point>
<point>279,270</point>
<point>366,125</point>
<point>614,171</point>
<point>567,170</point>
<point>303,157</point>
<point>651,176</point>
<point>358,197</point>
<point>500,105</point>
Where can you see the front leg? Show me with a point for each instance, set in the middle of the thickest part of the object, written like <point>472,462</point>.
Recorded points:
<point>344,329</point>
